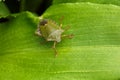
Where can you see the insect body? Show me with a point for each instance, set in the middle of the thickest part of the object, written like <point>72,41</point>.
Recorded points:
<point>50,31</point>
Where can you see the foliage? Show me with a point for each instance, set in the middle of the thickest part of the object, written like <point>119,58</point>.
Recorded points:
<point>3,10</point>
<point>116,2</point>
<point>92,54</point>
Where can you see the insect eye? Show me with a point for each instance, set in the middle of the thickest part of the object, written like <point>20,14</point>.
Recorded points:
<point>43,22</point>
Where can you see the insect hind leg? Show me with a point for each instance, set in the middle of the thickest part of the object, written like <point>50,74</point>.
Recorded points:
<point>54,47</point>
<point>70,36</point>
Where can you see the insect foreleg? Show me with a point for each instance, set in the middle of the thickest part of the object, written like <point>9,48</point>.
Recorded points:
<point>54,47</point>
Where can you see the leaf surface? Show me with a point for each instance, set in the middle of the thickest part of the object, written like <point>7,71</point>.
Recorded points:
<point>92,54</point>
<point>3,10</point>
<point>115,2</point>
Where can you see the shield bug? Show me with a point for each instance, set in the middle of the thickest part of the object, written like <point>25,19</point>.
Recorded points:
<point>50,31</point>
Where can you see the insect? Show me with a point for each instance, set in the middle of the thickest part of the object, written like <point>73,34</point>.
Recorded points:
<point>50,31</point>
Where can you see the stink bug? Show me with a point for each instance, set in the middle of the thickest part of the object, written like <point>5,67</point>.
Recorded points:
<point>51,32</point>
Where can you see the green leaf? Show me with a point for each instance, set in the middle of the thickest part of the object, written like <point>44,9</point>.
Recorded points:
<point>116,2</point>
<point>3,10</point>
<point>93,53</point>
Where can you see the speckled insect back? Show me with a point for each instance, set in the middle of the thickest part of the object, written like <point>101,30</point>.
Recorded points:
<point>51,31</point>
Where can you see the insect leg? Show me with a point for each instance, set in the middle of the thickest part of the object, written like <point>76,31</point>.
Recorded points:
<point>61,19</point>
<point>60,26</point>
<point>54,47</point>
<point>67,28</point>
<point>37,32</point>
<point>67,36</point>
